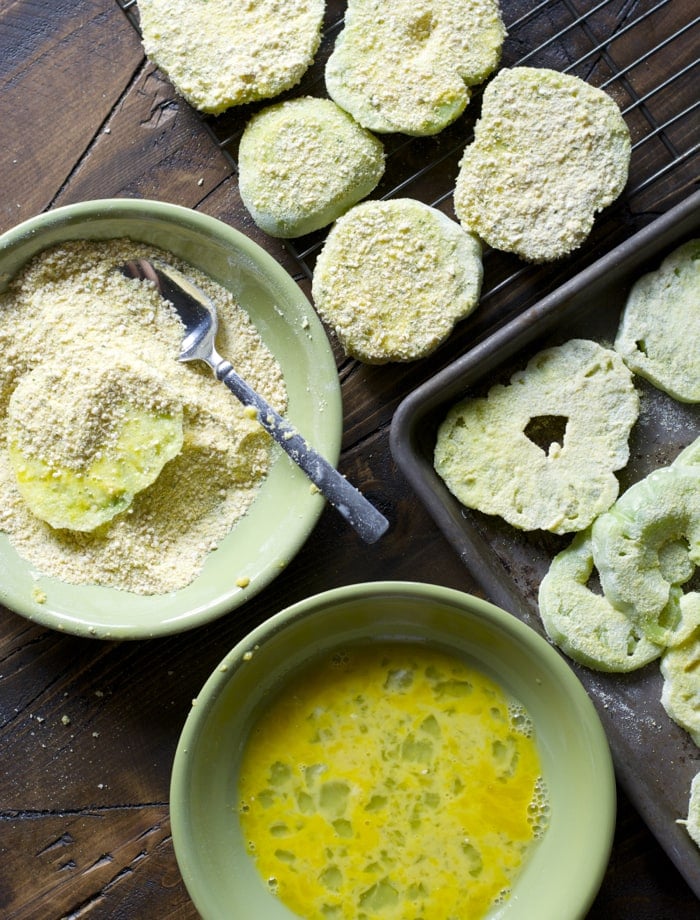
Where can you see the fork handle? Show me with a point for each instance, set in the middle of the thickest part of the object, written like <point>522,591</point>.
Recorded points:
<point>369,523</point>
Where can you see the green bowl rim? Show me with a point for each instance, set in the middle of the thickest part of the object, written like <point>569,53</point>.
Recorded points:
<point>596,863</point>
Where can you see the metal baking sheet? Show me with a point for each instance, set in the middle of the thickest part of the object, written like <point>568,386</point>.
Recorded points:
<point>655,759</point>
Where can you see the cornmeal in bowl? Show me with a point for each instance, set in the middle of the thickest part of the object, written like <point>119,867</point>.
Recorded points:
<point>549,152</point>
<point>302,163</point>
<point>121,466</point>
<point>104,434</point>
<point>394,277</point>
<point>220,53</point>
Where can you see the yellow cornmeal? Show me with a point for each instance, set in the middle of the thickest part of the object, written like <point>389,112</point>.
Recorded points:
<point>392,781</point>
<point>65,320</point>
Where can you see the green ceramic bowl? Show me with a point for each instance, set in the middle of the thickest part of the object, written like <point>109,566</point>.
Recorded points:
<point>285,511</point>
<point>567,866</point>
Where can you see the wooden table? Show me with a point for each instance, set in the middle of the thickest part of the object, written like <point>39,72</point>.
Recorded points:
<point>88,728</point>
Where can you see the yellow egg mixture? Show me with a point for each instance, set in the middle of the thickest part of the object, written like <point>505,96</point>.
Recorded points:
<point>392,781</point>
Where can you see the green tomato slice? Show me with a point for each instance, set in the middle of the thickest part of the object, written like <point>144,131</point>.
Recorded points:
<point>646,548</point>
<point>84,499</point>
<point>85,438</point>
<point>583,623</point>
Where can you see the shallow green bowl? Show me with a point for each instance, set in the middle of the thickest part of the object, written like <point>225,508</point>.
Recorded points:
<point>285,510</point>
<point>565,871</point>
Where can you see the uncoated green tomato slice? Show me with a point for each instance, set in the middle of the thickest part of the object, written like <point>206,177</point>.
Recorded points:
<point>584,624</point>
<point>647,546</point>
<point>680,696</point>
<point>660,325</point>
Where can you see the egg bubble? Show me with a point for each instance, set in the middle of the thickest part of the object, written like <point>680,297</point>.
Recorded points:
<point>539,809</point>
<point>502,896</point>
<point>520,719</point>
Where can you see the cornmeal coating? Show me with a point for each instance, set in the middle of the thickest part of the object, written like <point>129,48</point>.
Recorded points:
<point>220,53</point>
<point>394,277</point>
<point>659,333</point>
<point>489,462</point>
<point>549,152</point>
<point>583,623</point>
<point>407,66</point>
<point>680,696</point>
<point>302,163</point>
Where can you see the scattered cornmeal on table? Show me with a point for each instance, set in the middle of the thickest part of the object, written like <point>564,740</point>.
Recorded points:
<point>392,780</point>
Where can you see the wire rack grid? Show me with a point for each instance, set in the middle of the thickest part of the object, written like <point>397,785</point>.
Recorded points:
<point>642,52</point>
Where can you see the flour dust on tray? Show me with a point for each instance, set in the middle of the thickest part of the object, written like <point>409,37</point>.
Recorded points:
<point>119,465</point>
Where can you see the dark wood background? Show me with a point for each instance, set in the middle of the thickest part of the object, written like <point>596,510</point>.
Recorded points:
<point>88,729</point>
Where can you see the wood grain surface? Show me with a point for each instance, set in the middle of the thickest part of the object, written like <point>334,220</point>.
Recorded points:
<point>88,729</point>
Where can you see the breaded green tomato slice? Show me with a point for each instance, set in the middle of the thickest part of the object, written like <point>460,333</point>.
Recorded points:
<point>407,66</point>
<point>646,547</point>
<point>394,277</point>
<point>488,456</point>
<point>549,152</point>
<point>680,694</point>
<point>302,163</point>
<point>82,445</point>
<point>583,623</point>
<point>659,331</point>
<point>221,53</point>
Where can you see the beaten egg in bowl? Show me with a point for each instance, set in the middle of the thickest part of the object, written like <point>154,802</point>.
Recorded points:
<point>486,763</point>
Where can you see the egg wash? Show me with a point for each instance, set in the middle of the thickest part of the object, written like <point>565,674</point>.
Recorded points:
<point>392,781</point>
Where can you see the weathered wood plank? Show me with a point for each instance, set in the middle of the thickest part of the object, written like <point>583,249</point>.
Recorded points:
<point>90,864</point>
<point>63,67</point>
<point>151,146</point>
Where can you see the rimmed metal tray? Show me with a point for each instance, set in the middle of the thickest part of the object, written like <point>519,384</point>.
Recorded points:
<point>655,760</point>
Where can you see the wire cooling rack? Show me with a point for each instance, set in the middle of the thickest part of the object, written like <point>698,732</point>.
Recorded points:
<point>642,52</point>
